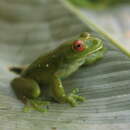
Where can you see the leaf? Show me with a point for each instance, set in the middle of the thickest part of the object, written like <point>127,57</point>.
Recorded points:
<point>29,28</point>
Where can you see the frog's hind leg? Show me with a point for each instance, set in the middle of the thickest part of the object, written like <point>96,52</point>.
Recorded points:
<point>29,91</point>
<point>37,104</point>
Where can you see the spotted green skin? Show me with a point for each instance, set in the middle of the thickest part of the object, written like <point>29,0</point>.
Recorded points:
<point>50,69</point>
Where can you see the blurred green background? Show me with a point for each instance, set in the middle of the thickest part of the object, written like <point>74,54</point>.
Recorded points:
<point>98,3</point>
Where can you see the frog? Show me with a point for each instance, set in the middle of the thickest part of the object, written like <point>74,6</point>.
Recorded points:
<point>50,69</point>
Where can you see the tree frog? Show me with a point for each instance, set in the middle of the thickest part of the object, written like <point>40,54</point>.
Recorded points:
<point>50,69</point>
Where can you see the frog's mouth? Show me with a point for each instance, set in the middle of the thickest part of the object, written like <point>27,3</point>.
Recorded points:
<point>99,46</point>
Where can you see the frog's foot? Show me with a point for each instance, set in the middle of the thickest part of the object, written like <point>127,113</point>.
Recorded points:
<point>35,104</point>
<point>73,98</point>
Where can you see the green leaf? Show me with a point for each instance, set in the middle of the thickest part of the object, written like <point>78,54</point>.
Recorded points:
<point>29,28</point>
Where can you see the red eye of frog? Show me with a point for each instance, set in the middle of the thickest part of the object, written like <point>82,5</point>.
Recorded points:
<point>78,45</point>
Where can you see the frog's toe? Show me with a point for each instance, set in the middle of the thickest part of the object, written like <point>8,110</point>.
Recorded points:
<point>79,98</point>
<point>27,108</point>
<point>71,101</point>
<point>75,91</point>
<point>35,104</point>
<point>73,98</point>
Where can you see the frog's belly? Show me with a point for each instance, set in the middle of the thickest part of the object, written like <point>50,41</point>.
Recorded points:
<point>65,72</point>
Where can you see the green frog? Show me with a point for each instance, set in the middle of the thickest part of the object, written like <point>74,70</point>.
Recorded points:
<point>48,71</point>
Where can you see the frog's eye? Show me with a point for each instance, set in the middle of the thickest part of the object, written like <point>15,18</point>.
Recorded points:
<point>78,45</point>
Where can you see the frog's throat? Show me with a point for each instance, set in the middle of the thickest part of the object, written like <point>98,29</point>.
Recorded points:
<point>99,48</point>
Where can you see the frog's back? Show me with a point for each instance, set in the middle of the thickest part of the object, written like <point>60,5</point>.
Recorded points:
<point>42,67</point>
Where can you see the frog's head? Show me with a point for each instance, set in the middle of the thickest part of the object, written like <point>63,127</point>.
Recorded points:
<point>83,46</point>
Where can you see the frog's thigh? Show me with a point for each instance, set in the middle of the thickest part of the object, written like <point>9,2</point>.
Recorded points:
<point>25,87</point>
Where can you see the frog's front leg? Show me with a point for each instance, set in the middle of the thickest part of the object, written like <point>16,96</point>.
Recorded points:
<point>60,95</point>
<point>95,57</point>
<point>28,91</point>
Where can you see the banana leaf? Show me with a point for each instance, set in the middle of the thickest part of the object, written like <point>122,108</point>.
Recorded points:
<point>30,28</point>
